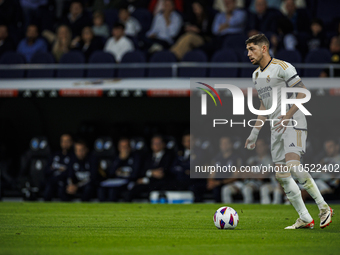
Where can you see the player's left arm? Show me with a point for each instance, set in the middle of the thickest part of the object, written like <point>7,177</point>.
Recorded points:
<point>293,80</point>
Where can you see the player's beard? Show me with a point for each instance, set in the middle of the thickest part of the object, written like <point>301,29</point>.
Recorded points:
<point>258,61</point>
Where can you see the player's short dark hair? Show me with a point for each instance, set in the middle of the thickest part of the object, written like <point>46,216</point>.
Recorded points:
<point>258,39</point>
<point>119,25</point>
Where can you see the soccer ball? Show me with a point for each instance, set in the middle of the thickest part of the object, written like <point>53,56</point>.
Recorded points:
<point>226,218</point>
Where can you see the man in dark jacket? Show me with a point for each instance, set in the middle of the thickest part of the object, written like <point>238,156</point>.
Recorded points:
<point>82,173</point>
<point>124,169</point>
<point>156,174</point>
<point>55,172</point>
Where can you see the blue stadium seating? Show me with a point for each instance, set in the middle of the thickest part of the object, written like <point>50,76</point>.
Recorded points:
<point>224,55</point>
<point>236,41</point>
<point>41,58</point>
<point>162,57</point>
<point>194,56</point>
<point>9,58</point>
<point>316,56</point>
<point>291,56</point>
<point>72,57</point>
<point>132,57</point>
<point>101,57</point>
<point>327,11</point>
<point>144,17</point>
<point>111,17</point>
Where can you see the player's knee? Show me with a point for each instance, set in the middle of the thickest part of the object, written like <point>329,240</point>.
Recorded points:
<point>280,175</point>
<point>293,165</point>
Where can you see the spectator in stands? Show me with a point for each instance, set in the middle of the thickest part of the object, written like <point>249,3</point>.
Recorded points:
<point>323,178</point>
<point>124,169</point>
<point>298,17</point>
<point>118,44</point>
<point>55,172</point>
<point>61,41</point>
<point>181,166</point>
<point>82,173</point>
<point>197,31</point>
<point>225,184</point>
<point>220,6</point>
<point>300,4</point>
<point>77,19</point>
<point>274,4</point>
<point>101,5</point>
<point>87,43</point>
<point>158,6</point>
<point>100,28</point>
<point>334,48</point>
<point>266,184</point>
<point>317,36</point>
<point>132,26</point>
<point>165,27</point>
<point>11,14</point>
<point>5,43</point>
<point>31,44</point>
<point>233,21</point>
<point>284,38</point>
<point>30,10</point>
<point>262,21</point>
<point>156,173</point>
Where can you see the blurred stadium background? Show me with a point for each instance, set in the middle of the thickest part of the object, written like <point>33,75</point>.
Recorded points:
<point>101,70</point>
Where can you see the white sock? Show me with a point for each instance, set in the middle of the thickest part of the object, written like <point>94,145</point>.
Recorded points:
<point>308,183</point>
<point>265,194</point>
<point>294,195</point>
<point>247,193</point>
<point>277,194</point>
<point>227,194</point>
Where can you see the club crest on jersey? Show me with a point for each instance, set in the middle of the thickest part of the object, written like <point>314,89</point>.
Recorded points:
<point>256,75</point>
<point>268,79</point>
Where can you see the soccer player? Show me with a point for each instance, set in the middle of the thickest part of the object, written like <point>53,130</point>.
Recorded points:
<point>288,144</point>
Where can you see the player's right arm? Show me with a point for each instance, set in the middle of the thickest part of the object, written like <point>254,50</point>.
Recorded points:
<point>251,140</point>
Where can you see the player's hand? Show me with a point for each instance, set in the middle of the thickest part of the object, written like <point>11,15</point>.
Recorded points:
<point>279,125</point>
<point>251,145</point>
<point>251,140</point>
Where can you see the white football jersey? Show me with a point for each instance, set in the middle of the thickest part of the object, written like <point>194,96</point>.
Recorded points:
<point>279,74</point>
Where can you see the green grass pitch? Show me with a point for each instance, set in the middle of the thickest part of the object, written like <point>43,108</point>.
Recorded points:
<point>95,228</point>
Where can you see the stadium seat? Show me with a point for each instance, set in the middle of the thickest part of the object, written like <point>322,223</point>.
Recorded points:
<point>144,17</point>
<point>101,57</point>
<point>194,56</point>
<point>236,41</point>
<point>9,58</point>
<point>104,151</point>
<point>111,17</point>
<point>33,163</point>
<point>222,56</point>
<point>41,58</point>
<point>73,57</point>
<point>316,56</point>
<point>132,57</point>
<point>327,11</point>
<point>162,57</point>
<point>291,56</point>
